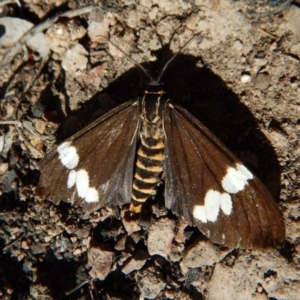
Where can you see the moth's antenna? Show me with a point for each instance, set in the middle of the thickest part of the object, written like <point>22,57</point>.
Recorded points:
<point>157,81</point>
<point>128,56</point>
<point>172,58</point>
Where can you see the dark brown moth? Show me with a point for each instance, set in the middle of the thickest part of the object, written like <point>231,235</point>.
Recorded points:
<point>203,181</point>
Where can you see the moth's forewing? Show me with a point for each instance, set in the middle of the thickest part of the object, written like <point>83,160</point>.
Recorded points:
<point>207,184</point>
<point>94,167</point>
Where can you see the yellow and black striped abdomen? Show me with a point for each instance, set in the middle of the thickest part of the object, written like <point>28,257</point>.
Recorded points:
<point>149,166</point>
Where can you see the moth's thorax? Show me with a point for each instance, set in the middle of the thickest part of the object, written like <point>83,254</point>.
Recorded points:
<point>151,150</point>
<point>152,106</point>
<point>151,116</point>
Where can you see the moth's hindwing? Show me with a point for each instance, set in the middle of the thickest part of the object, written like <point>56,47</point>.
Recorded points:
<point>94,167</point>
<point>212,189</point>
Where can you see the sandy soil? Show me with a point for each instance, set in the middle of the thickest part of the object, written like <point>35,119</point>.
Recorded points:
<point>240,77</point>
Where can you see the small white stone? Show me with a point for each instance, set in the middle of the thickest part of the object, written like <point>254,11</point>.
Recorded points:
<point>74,60</point>
<point>245,78</point>
<point>238,45</point>
<point>68,155</point>
<point>59,31</point>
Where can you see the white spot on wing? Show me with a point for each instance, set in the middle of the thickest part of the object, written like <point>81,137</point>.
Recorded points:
<point>199,213</point>
<point>213,202</point>
<point>68,155</point>
<point>226,204</point>
<point>72,178</point>
<point>212,205</point>
<point>236,179</point>
<point>81,179</point>
<point>245,171</point>
<point>82,183</point>
<point>92,195</point>
<point>70,159</point>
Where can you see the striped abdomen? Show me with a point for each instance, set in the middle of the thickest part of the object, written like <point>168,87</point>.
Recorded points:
<point>149,164</point>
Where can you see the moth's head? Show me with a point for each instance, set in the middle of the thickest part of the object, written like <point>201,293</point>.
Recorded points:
<point>155,83</point>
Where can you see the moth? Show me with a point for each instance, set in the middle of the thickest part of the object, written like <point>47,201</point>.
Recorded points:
<point>122,157</point>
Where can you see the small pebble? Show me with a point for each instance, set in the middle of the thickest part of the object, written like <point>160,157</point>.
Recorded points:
<point>245,78</point>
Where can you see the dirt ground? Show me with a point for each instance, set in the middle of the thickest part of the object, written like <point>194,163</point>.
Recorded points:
<point>240,76</point>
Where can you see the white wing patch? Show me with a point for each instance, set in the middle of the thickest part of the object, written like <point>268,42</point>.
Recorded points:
<point>82,183</point>
<point>214,201</point>
<point>236,179</point>
<point>71,178</point>
<point>226,204</point>
<point>70,159</point>
<point>81,180</point>
<point>68,155</point>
